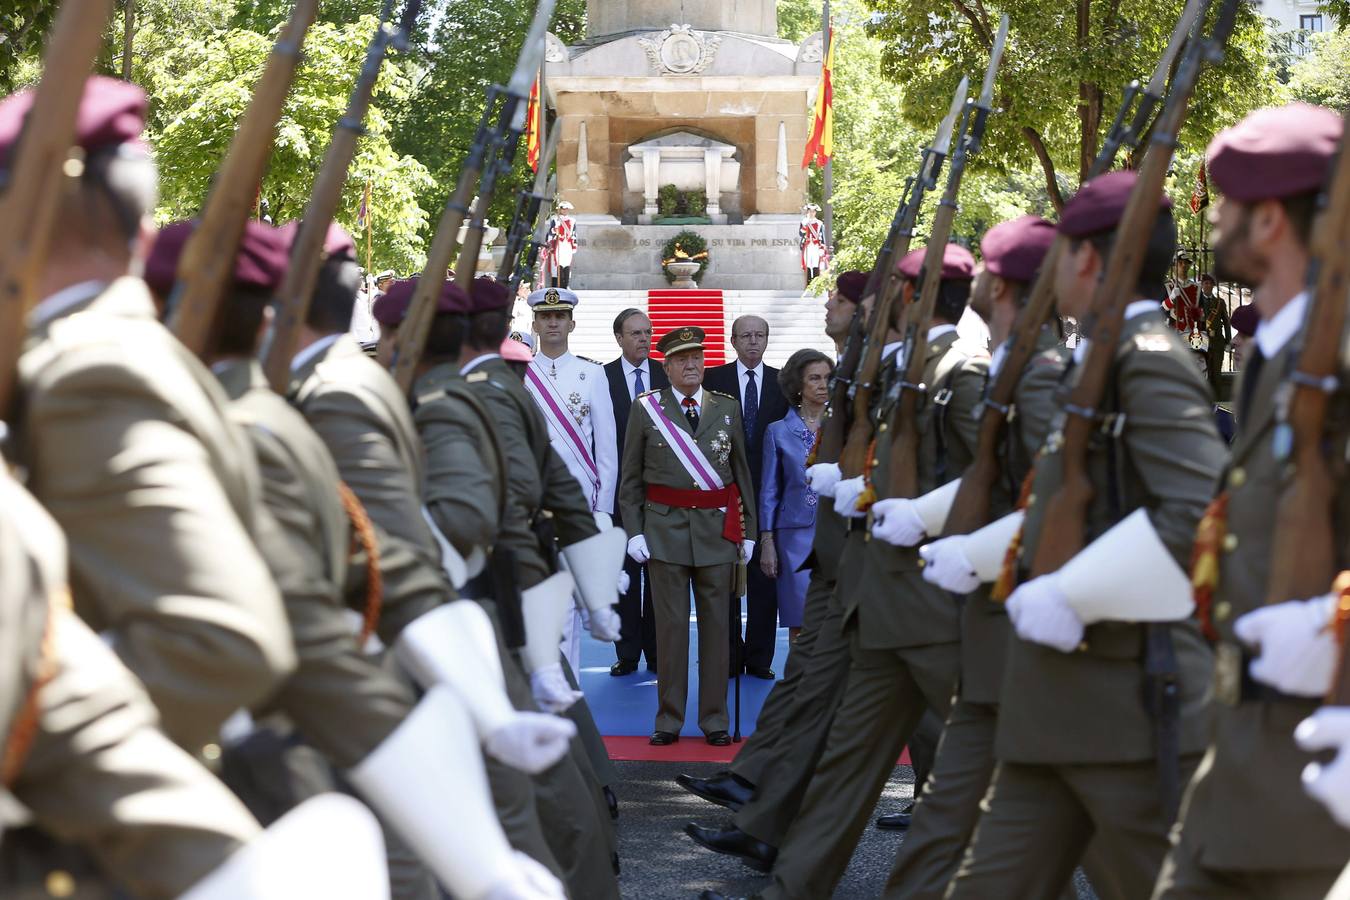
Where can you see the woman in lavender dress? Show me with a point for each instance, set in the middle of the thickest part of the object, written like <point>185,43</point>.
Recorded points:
<point>787,507</point>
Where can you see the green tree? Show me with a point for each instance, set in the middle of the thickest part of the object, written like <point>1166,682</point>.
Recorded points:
<point>1323,76</point>
<point>23,29</point>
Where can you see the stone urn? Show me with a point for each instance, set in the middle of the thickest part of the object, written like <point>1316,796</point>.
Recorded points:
<point>684,272</point>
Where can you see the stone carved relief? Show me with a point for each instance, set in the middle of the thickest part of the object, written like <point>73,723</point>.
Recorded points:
<point>679,50</point>
<point>812,49</point>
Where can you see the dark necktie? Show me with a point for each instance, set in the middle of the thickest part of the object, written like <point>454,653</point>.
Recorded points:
<point>751,403</point>
<point>691,412</point>
<point>638,386</point>
<point>1251,374</point>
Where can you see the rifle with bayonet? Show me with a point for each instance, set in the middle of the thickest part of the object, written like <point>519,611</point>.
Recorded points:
<point>847,432</point>
<point>33,178</point>
<point>307,252</point>
<point>521,232</point>
<point>492,147</point>
<point>207,263</point>
<point>903,464</point>
<point>970,508</point>
<point>1064,528</point>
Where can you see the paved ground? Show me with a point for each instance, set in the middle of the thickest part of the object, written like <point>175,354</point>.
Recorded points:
<point>661,863</point>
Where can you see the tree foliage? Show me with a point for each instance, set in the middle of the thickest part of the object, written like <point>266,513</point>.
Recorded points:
<point>1323,76</point>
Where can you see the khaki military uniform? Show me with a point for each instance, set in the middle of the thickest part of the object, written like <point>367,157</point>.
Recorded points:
<point>96,771</point>
<point>1075,741</point>
<point>1248,829</point>
<point>126,442</point>
<point>903,642</point>
<point>687,548</point>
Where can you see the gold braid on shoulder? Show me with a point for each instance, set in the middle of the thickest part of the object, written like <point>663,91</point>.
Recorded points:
<point>1007,575</point>
<point>363,538</point>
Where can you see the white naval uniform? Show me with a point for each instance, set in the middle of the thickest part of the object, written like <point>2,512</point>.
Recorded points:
<point>582,391</point>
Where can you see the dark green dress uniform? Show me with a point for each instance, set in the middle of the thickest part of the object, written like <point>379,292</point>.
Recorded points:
<point>1076,745</point>
<point>95,770</point>
<point>903,645</point>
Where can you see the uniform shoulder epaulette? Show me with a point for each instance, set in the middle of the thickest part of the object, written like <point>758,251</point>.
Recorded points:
<point>719,394</point>
<point>594,362</point>
<point>649,393</point>
<point>1152,342</point>
<point>476,377</point>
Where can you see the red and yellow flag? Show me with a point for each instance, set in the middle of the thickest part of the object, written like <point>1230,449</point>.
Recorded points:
<point>820,145</point>
<point>532,113</point>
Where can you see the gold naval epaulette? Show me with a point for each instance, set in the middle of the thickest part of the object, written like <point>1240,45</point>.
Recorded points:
<point>594,362</point>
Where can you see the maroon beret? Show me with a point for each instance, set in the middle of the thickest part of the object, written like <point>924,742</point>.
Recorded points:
<point>957,263</point>
<point>111,113</point>
<point>1275,152</point>
<point>260,262</point>
<point>851,284</point>
<point>486,295</point>
<point>392,306</point>
<point>1099,204</point>
<point>337,243</point>
<point>1245,319</point>
<point>1015,249</point>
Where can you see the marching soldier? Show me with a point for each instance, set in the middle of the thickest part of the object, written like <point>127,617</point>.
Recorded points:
<point>357,714</point>
<point>1248,828</point>
<point>1103,705</point>
<point>688,503</point>
<point>125,440</point>
<point>947,813</point>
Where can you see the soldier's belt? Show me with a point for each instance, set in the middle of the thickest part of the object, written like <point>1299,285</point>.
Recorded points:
<point>729,497</point>
<point>1234,684</point>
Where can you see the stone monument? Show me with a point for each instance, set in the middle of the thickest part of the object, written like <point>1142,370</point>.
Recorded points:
<point>697,94</point>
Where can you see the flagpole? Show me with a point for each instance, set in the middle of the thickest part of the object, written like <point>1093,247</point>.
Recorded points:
<point>827,186</point>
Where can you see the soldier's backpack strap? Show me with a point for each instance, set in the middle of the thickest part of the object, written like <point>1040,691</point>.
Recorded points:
<point>948,368</point>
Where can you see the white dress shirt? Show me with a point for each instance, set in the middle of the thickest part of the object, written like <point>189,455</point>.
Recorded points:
<point>743,382</point>
<point>1273,333</point>
<point>645,367</point>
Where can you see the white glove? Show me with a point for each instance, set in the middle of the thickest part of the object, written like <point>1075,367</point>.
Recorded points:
<point>1041,615</point>
<point>1298,652</point>
<point>624,582</point>
<point>747,550</point>
<point>946,565</point>
<point>531,741</point>
<point>896,522</point>
<point>1328,729</point>
<point>822,477</point>
<point>604,625</point>
<point>527,880</point>
<point>551,690</point>
<point>846,495</point>
<point>637,549</point>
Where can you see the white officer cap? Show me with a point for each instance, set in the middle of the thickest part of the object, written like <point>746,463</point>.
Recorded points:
<point>552,299</point>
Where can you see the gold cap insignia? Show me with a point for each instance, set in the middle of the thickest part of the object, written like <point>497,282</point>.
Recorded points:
<point>687,334</point>
<point>552,295</point>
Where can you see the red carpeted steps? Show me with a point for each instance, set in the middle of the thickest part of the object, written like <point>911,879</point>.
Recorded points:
<point>672,309</point>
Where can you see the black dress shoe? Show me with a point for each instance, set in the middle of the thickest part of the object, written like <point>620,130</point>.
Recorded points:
<point>894,822</point>
<point>663,738</point>
<point>623,667</point>
<point>757,672</point>
<point>612,802</point>
<point>733,842</point>
<point>724,789</point>
<point>718,739</point>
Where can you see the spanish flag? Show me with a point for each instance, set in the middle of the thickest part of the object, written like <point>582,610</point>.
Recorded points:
<point>820,145</point>
<point>532,113</point>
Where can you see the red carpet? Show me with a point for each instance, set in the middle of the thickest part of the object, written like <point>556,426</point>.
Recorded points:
<point>689,749</point>
<point>671,309</point>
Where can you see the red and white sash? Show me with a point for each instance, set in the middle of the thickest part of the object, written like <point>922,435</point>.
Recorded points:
<point>686,450</point>
<point>560,422</point>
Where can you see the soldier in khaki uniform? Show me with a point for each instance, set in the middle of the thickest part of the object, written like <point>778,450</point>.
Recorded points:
<point>1248,828</point>
<point>946,814</point>
<point>688,502</point>
<point>125,440</point>
<point>1077,746</point>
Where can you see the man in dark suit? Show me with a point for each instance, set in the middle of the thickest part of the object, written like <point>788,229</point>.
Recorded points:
<point>629,375</point>
<point>755,385</point>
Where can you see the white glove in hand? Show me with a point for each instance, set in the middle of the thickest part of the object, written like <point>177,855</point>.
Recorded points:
<point>624,582</point>
<point>531,741</point>
<point>895,522</point>
<point>1041,615</point>
<point>846,495</point>
<point>604,625</point>
<point>551,690</point>
<point>1297,650</point>
<point>946,565</point>
<point>1328,729</point>
<point>637,549</point>
<point>527,880</point>
<point>822,477</point>
<point>747,550</point>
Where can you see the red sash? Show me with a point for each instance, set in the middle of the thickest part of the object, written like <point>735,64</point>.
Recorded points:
<point>733,525</point>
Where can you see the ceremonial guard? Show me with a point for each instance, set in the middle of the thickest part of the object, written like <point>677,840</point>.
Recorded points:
<point>1102,712</point>
<point>560,245</point>
<point>1248,828</point>
<point>573,396</point>
<point>1182,303</point>
<point>688,504</point>
<point>811,240</point>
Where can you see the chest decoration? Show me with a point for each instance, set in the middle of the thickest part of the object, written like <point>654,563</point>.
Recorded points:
<point>721,447</point>
<point>577,406</point>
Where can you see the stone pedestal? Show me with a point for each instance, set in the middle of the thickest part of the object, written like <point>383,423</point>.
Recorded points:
<point>750,257</point>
